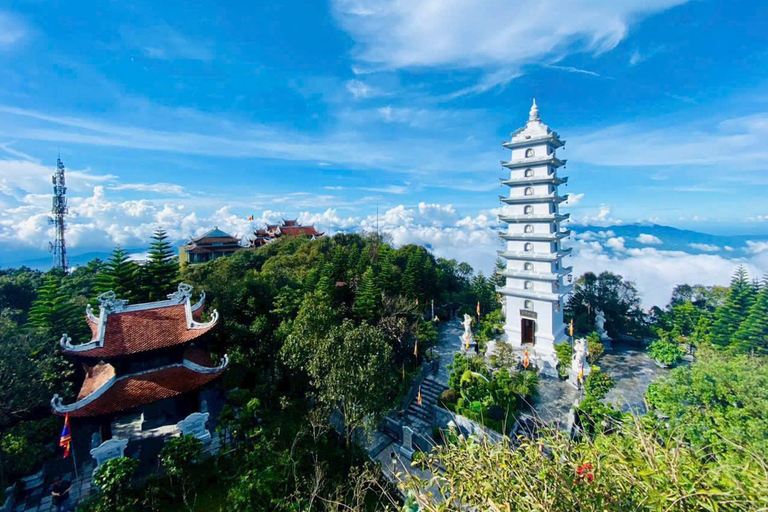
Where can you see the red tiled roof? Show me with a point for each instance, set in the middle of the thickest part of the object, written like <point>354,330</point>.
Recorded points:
<point>145,388</point>
<point>300,230</point>
<point>95,377</point>
<point>131,332</point>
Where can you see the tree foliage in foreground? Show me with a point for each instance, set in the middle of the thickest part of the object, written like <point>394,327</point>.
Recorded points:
<point>632,468</point>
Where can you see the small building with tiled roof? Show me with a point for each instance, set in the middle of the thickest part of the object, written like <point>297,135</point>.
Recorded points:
<point>140,354</point>
<point>209,246</point>
<point>287,228</point>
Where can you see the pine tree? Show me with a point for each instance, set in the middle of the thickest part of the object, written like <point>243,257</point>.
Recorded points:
<point>412,275</point>
<point>162,270</point>
<point>733,313</point>
<point>368,297</point>
<point>119,276</point>
<point>53,310</point>
<point>752,335</point>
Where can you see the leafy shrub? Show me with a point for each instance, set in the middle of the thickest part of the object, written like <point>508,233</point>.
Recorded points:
<point>449,396</point>
<point>564,353</point>
<point>25,447</point>
<point>113,478</point>
<point>665,351</point>
<point>179,453</point>
<point>598,384</point>
<point>595,351</point>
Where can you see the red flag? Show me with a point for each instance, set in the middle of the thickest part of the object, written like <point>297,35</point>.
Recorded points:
<point>478,309</point>
<point>526,361</point>
<point>65,440</point>
<point>418,397</point>
<point>571,327</point>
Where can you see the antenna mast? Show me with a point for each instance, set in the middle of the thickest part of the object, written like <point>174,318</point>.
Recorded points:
<point>59,210</point>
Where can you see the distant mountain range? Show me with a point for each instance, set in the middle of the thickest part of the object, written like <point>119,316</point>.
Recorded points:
<point>672,239</point>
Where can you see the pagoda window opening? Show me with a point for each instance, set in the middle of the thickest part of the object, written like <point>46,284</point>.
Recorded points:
<point>528,266</point>
<point>528,304</point>
<point>528,247</point>
<point>529,173</point>
<point>529,285</point>
<point>529,228</point>
<point>529,153</point>
<point>529,191</point>
<point>528,209</point>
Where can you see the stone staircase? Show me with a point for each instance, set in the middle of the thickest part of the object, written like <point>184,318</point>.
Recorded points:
<point>421,416</point>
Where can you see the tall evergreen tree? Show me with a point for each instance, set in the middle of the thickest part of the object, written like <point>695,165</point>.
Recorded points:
<point>53,310</point>
<point>368,297</point>
<point>752,335</point>
<point>729,317</point>
<point>120,276</point>
<point>162,269</point>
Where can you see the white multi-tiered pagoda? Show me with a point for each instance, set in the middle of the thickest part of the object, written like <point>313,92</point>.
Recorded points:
<point>534,271</point>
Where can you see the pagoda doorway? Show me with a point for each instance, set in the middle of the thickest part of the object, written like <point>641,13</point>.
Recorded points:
<point>527,331</point>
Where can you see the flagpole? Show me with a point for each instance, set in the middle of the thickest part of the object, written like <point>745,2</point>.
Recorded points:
<point>72,451</point>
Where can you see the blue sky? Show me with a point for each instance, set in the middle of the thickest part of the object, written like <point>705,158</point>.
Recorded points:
<point>190,114</point>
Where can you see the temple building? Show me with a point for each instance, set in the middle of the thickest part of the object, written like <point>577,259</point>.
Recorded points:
<point>209,246</point>
<point>287,228</point>
<point>143,358</point>
<point>534,272</point>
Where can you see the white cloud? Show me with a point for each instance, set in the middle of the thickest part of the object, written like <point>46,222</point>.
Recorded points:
<point>574,199</point>
<point>617,244</point>
<point>157,188</point>
<point>601,218</point>
<point>163,42</point>
<point>424,33</point>
<point>756,247</point>
<point>360,89</point>
<point>11,29</point>
<point>704,247</point>
<point>735,142</point>
<point>645,238</point>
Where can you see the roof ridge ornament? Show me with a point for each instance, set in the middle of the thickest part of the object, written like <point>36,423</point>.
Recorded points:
<point>109,303</point>
<point>533,115</point>
<point>183,293</point>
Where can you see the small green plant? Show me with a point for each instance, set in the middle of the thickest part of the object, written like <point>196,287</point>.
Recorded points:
<point>594,351</point>
<point>666,352</point>
<point>598,384</point>
<point>564,353</point>
<point>113,478</point>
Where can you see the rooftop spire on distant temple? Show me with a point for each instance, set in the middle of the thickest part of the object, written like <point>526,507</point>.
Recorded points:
<point>534,114</point>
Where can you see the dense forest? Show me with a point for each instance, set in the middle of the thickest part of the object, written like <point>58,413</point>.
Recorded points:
<point>340,326</point>
<point>306,324</point>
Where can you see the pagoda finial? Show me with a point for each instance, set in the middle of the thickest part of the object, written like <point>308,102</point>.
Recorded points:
<point>534,113</point>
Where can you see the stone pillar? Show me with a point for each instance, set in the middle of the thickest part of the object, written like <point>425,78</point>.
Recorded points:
<point>194,425</point>
<point>407,447</point>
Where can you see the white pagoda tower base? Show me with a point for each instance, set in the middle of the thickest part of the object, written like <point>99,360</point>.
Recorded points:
<point>534,273</point>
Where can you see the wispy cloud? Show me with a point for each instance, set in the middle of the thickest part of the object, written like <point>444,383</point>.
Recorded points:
<point>166,43</point>
<point>12,29</point>
<point>571,69</point>
<point>156,188</point>
<point>493,34</point>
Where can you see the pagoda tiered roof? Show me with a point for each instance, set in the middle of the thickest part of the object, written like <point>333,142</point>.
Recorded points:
<point>551,160</point>
<point>536,237</point>
<point>534,131</point>
<point>536,276</point>
<point>535,180</point>
<point>533,199</point>
<point>534,256</point>
<point>121,329</point>
<point>527,218</point>
<point>103,392</point>
<point>536,294</point>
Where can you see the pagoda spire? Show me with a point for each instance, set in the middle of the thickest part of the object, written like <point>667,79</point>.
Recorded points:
<point>533,115</point>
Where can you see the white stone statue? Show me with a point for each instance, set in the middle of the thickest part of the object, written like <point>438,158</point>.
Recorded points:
<point>467,338</point>
<point>600,325</point>
<point>579,366</point>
